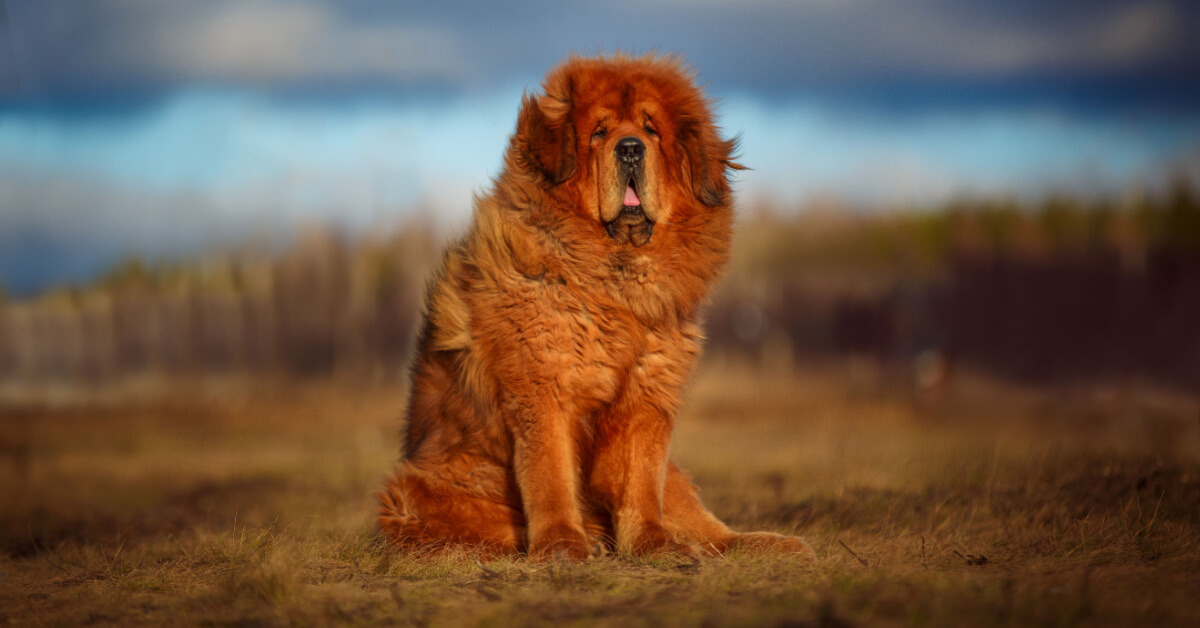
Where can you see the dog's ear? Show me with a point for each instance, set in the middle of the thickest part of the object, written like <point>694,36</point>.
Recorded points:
<point>545,137</point>
<point>707,160</point>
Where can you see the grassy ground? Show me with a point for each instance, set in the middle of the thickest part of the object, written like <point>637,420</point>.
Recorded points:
<point>236,502</point>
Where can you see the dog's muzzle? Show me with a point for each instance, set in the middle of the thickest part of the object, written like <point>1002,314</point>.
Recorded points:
<point>631,224</point>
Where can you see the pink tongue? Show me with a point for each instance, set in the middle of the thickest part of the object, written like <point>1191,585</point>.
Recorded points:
<point>631,197</point>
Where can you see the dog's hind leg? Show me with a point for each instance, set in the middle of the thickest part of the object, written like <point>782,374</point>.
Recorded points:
<point>421,511</point>
<point>686,517</point>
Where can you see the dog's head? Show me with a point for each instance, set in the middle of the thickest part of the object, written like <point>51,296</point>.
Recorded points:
<point>630,140</point>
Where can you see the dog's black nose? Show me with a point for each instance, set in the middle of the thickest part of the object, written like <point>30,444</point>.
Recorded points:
<point>630,150</point>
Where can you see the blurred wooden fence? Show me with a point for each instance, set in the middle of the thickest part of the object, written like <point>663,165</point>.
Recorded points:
<point>1061,290</point>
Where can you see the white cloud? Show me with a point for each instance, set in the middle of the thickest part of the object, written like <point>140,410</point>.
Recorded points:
<point>772,46</point>
<point>970,44</point>
<point>269,41</point>
<point>1136,33</point>
<point>296,40</point>
<point>872,37</point>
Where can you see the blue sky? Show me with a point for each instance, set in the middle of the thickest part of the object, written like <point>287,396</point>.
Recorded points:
<point>163,127</point>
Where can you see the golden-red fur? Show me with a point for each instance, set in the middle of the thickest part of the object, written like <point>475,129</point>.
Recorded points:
<point>559,332</point>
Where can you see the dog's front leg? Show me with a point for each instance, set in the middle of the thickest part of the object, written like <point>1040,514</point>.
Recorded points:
<point>546,470</point>
<point>632,437</point>
<point>628,475</point>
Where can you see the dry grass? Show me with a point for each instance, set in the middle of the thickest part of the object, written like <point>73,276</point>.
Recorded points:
<point>249,502</point>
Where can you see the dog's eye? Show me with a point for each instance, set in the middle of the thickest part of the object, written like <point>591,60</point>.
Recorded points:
<point>599,134</point>
<point>650,129</point>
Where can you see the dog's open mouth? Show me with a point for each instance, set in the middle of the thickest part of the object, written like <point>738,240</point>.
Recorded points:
<point>631,225</point>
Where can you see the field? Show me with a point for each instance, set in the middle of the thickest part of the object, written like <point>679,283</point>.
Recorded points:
<point>249,501</point>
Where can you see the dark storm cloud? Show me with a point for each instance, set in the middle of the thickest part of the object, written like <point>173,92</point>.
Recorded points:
<point>1124,52</point>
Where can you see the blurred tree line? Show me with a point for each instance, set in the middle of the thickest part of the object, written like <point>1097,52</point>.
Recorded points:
<point>1065,289</point>
<point>1061,289</point>
<point>323,304</point>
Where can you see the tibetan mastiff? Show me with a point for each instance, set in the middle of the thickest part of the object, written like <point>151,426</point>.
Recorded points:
<point>560,331</point>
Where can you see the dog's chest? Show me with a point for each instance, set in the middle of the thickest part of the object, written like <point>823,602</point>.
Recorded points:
<point>595,344</point>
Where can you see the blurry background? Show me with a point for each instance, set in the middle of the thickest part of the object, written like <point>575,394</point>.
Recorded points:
<point>263,186</point>
<point>956,349</point>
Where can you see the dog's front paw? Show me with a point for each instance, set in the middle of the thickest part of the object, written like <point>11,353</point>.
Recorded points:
<point>561,542</point>
<point>654,540</point>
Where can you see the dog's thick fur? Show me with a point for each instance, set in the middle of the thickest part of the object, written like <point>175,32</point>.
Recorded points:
<point>559,332</point>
